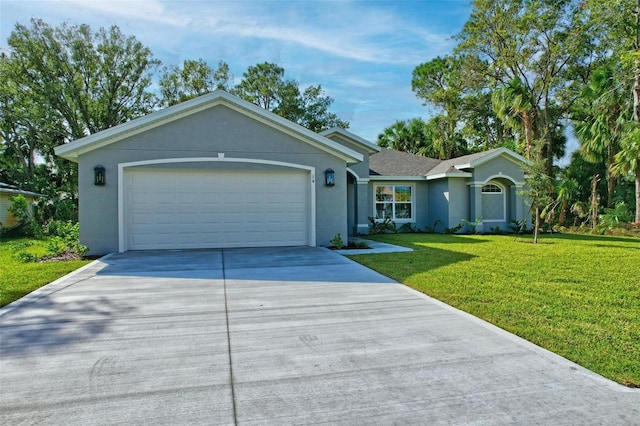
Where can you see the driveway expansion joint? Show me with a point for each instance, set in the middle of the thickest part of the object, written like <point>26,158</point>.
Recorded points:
<point>226,314</point>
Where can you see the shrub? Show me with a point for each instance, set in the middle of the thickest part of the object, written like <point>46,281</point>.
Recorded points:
<point>337,242</point>
<point>382,227</point>
<point>614,218</point>
<point>473,226</point>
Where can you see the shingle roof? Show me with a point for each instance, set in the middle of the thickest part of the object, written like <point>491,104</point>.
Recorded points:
<point>389,162</point>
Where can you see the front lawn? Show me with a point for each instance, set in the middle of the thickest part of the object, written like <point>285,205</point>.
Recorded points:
<point>575,295</point>
<point>18,279</point>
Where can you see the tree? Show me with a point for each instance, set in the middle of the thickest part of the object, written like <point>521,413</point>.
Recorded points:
<point>408,136</point>
<point>194,78</point>
<point>463,104</point>
<point>64,83</point>
<point>533,46</point>
<point>566,190</point>
<point>539,190</point>
<point>264,85</point>
<point>627,160</point>
<point>600,129</point>
<point>617,26</point>
<point>513,105</point>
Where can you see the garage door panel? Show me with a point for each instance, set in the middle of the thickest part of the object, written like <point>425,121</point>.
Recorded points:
<point>202,209</point>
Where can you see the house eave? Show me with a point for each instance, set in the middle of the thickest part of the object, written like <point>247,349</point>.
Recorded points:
<point>449,175</point>
<point>407,178</point>
<point>507,153</point>
<point>20,192</point>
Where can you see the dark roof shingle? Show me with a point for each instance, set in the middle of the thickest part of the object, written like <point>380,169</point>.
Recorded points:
<point>389,162</point>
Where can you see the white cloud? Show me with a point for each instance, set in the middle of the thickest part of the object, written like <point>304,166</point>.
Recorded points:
<point>361,52</point>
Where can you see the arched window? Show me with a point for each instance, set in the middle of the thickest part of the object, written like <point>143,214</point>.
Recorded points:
<point>493,203</point>
<point>490,188</point>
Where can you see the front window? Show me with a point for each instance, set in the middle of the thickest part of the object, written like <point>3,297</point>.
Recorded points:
<point>394,202</point>
<point>493,203</point>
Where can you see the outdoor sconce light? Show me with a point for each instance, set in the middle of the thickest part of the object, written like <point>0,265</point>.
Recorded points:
<point>329,177</point>
<point>98,176</point>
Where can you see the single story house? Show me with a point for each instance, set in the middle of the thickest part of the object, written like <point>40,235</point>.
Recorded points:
<point>7,192</point>
<point>217,171</point>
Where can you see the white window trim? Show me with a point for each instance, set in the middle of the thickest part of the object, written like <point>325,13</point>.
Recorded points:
<point>502,193</point>
<point>413,201</point>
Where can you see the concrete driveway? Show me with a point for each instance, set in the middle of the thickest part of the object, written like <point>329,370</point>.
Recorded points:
<point>274,336</point>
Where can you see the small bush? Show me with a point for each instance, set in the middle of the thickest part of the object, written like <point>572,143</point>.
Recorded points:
<point>25,257</point>
<point>453,230</point>
<point>358,245</point>
<point>337,242</point>
<point>408,227</point>
<point>382,227</point>
<point>473,226</point>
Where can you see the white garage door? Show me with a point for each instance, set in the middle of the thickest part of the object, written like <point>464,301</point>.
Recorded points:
<point>172,209</point>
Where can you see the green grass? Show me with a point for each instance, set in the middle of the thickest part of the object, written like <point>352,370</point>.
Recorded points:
<point>575,295</point>
<point>18,279</point>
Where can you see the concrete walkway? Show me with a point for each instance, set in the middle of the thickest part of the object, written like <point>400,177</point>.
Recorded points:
<point>274,336</point>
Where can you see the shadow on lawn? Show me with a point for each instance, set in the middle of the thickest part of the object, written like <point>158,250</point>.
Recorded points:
<point>400,266</point>
<point>420,241</point>
<point>602,238</point>
<point>47,325</point>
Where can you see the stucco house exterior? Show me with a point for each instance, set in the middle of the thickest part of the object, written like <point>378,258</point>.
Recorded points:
<point>7,192</point>
<point>217,171</point>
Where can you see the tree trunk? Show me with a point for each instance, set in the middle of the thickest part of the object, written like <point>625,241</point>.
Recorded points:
<point>638,194</point>
<point>594,200</point>
<point>610,176</point>
<point>563,212</point>
<point>526,118</point>
<point>636,104</point>
<point>536,229</point>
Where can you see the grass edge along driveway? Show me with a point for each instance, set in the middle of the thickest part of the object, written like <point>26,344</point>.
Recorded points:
<point>18,278</point>
<point>575,295</point>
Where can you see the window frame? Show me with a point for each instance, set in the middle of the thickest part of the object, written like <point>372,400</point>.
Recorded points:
<point>502,193</point>
<point>393,202</point>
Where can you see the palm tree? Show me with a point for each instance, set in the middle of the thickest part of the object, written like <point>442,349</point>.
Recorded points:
<point>600,133</point>
<point>514,107</point>
<point>566,190</point>
<point>627,160</point>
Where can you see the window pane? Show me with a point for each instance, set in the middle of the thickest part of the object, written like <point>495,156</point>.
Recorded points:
<point>384,210</point>
<point>493,207</point>
<point>403,211</point>
<point>491,188</point>
<point>403,193</point>
<point>384,193</point>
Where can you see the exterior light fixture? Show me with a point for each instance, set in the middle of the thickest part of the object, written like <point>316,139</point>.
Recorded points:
<point>329,177</point>
<point>99,176</point>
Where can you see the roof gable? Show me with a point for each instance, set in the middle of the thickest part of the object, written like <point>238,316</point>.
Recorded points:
<point>351,138</point>
<point>72,150</point>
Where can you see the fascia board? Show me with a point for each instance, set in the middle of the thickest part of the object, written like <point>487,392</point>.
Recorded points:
<point>72,150</point>
<point>418,178</point>
<point>507,153</point>
<point>20,192</point>
<point>449,175</point>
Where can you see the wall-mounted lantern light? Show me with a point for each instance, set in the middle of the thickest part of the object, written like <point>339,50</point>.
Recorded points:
<point>99,176</point>
<point>329,177</point>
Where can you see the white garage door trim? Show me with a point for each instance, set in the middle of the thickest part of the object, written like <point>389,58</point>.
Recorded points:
<point>122,245</point>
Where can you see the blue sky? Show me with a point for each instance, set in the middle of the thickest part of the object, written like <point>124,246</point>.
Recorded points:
<point>361,52</point>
